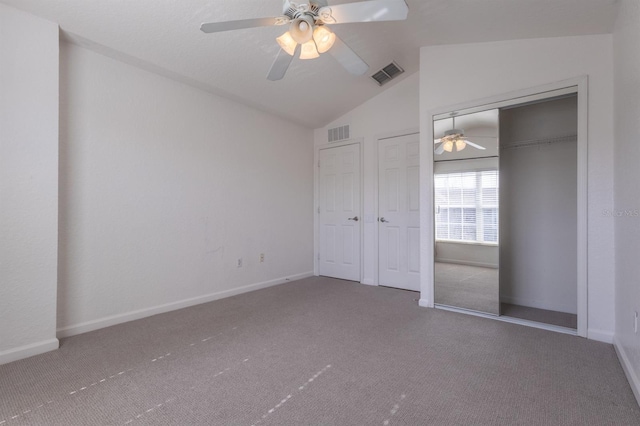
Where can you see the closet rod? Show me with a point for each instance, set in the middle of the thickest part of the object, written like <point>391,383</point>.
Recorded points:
<point>538,142</point>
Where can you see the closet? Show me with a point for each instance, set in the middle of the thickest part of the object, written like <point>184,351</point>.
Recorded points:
<point>538,210</point>
<point>506,212</point>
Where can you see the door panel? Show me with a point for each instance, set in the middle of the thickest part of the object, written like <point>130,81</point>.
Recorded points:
<point>413,256</point>
<point>339,212</point>
<point>399,201</point>
<point>393,249</point>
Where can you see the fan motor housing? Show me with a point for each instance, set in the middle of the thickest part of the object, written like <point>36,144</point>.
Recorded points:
<point>454,132</point>
<point>294,10</point>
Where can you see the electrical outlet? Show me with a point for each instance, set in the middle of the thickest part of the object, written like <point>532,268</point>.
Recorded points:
<point>261,257</point>
<point>635,322</point>
<point>239,264</point>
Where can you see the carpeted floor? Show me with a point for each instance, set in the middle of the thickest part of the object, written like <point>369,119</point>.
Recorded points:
<point>477,288</point>
<point>561,319</point>
<point>468,287</point>
<point>319,352</point>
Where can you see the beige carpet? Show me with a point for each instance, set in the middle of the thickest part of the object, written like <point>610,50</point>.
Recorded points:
<point>319,352</point>
<point>561,319</point>
<point>477,289</point>
<point>468,287</point>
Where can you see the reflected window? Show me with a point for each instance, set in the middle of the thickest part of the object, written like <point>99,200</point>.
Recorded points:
<point>467,206</point>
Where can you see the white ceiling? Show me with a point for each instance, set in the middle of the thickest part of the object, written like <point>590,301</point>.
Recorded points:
<point>484,123</point>
<point>164,36</point>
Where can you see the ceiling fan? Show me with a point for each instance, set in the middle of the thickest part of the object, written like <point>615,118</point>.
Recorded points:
<point>454,139</point>
<point>309,34</point>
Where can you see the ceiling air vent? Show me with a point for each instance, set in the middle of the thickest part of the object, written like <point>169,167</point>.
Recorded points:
<point>387,73</point>
<point>339,133</point>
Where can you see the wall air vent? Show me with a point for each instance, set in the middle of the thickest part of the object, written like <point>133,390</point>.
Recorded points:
<point>387,73</point>
<point>339,133</point>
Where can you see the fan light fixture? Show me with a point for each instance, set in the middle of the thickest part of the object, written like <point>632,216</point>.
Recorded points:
<point>454,137</point>
<point>309,50</point>
<point>307,22</point>
<point>301,29</point>
<point>324,38</point>
<point>313,40</point>
<point>287,43</point>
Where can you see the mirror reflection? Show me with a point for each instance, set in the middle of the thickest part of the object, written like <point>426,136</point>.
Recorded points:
<point>466,199</point>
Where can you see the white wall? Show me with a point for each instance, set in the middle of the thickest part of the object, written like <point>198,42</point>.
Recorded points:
<point>28,184</point>
<point>538,200</point>
<point>392,112</point>
<point>163,187</point>
<point>627,176</point>
<point>502,67</point>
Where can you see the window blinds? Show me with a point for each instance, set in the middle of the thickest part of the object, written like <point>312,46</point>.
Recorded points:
<point>467,206</point>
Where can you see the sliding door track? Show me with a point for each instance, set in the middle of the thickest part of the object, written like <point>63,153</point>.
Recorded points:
<point>528,323</point>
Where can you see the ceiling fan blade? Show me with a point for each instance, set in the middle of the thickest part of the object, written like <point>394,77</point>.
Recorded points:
<point>435,141</point>
<point>216,27</point>
<point>439,150</point>
<point>475,145</point>
<point>281,65</point>
<point>348,58</point>
<point>365,11</point>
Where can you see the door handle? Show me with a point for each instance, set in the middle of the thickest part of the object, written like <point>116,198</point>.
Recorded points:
<point>355,218</point>
<point>383,220</point>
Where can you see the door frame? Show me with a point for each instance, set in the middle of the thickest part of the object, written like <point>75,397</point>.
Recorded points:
<point>316,200</point>
<point>427,231</point>
<point>376,193</point>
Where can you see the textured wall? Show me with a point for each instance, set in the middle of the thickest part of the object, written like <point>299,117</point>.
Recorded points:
<point>627,175</point>
<point>28,184</point>
<point>163,187</point>
<point>502,67</point>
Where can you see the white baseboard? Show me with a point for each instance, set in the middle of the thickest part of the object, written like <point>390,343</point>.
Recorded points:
<point>629,371</point>
<point>27,351</point>
<point>425,303</point>
<point>85,327</point>
<point>367,281</point>
<point>600,336</point>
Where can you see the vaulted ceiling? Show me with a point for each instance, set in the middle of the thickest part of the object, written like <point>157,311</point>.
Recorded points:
<point>164,36</point>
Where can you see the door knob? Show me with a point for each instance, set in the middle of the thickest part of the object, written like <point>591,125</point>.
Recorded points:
<point>383,220</point>
<point>355,218</point>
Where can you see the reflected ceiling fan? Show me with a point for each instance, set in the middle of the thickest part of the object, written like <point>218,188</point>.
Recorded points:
<point>309,34</point>
<point>454,140</point>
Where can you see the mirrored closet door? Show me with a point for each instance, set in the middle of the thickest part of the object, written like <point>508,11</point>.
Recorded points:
<point>466,196</point>
<point>505,199</point>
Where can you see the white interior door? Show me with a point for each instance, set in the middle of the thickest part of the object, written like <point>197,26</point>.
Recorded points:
<point>399,212</point>
<point>339,212</point>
